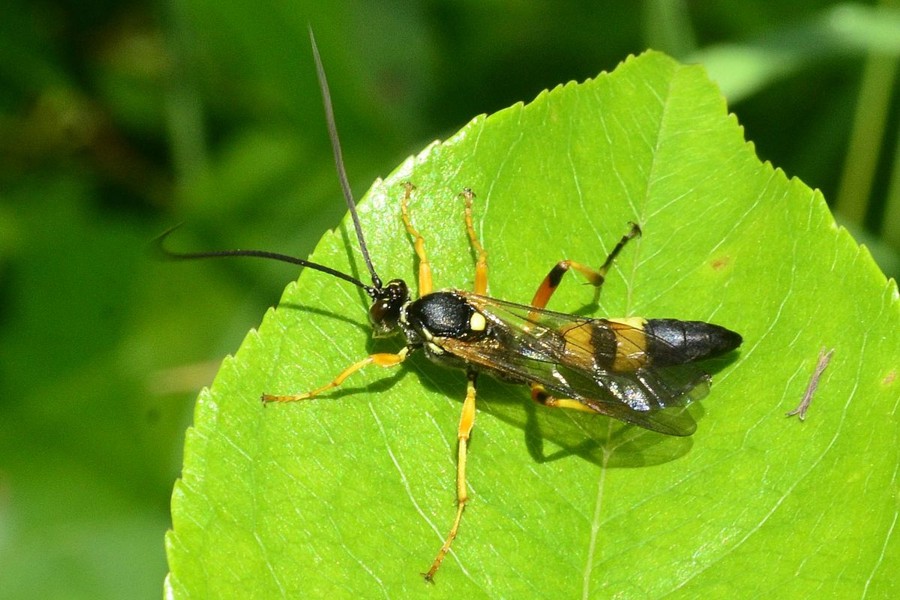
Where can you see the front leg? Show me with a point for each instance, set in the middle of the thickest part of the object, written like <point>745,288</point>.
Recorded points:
<point>425,282</point>
<point>481,268</point>
<point>381,360</point>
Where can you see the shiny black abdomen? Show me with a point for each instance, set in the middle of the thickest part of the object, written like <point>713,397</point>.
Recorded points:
<point>674,342</point>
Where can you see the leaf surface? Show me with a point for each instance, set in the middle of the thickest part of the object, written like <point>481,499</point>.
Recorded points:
<point>352,494</point>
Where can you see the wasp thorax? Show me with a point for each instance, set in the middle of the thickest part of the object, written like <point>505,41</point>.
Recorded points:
<point>387,302</point>
<point>446,315</point>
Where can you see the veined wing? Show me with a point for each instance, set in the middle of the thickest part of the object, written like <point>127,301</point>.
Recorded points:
<point>586,360</point>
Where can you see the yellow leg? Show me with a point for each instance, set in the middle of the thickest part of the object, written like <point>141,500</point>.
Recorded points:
<point>381,360</point>
<point>540,395</point>
<point>481,268</point>
<point>425,283</point>
<point>466,422</point>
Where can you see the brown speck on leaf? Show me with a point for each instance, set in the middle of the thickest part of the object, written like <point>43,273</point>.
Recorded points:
<point>720,263</point>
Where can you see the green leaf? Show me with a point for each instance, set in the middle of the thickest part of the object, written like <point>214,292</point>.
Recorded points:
<point>351,494</point>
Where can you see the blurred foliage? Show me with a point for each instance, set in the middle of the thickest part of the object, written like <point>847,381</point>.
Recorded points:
<point>120,119</point>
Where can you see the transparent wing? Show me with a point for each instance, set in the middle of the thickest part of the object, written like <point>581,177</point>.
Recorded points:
<point>537,346</point>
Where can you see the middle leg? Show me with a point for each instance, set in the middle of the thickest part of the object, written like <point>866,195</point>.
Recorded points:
<point>466,422</point>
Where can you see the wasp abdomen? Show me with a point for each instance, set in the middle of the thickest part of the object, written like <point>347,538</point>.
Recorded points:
<point>674,342</point>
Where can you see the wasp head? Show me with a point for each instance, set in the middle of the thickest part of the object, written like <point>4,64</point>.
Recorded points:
<point>387,302</point>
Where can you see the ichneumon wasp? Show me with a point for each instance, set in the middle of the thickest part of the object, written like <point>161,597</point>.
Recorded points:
<point>623,368</point>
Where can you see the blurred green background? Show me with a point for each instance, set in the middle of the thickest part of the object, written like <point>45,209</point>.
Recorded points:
<point>120,119</point>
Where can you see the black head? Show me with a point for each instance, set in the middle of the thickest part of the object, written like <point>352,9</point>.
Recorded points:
<point>387,304</point>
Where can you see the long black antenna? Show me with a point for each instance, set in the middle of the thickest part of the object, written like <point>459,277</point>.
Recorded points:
<point>169,254</point>
<point>339,159</point>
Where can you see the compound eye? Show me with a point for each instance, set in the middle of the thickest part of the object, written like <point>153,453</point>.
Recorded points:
<point>380,311</point>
